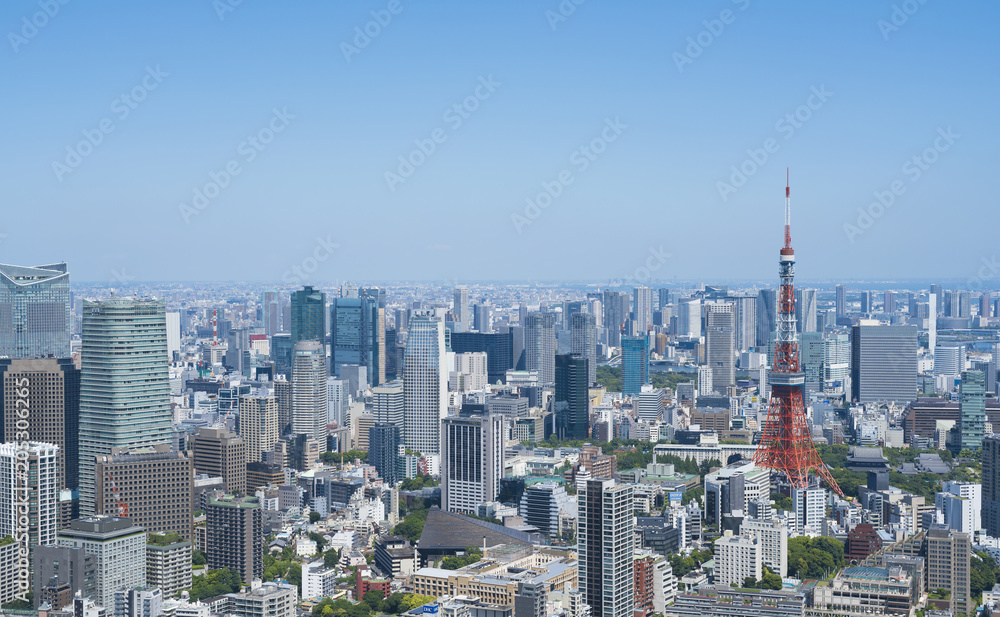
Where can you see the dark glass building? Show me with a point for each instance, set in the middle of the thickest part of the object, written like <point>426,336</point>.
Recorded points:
<point>383,451</point>
<point>308,315</point>
<point>571,406</point>
<point>499,350</point>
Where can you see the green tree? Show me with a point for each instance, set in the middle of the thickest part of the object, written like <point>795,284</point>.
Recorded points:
<point>770,580</point>
<point>198,558</point>
<point>750,583</point>
<point>215,583</point>
<point>413,600</point>
<point>331,557</point>
<point>412,526</point>
<point>314,516</point>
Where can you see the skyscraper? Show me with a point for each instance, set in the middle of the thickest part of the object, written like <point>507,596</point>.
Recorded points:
<point>971,425</point>
<point>118,548</point>
<point>689,317</point>
<point>235,534</point>
<point>642,301</point>
<point>888,301</point>
<point>665,297</point>
<point>309,398</point>
<point>482,318</point>
<point>805,310</point>
<point>883,363</point>
<point>259,425</point>
<point>270,312</point>
<point>308,315</point>
<point>154,485</point>
<point>867,304</point>
<point>383,450</point>
<point>720,349</point>
<point>635,364</point>
<point>615,306</point>
<point>54,399</point>
<point>499,348</point>
<point>540,346</point>
<point>948,555</point>
<point>584,342</point>
<point>472,461</point>
<point>991,485</point>
<point>571,406</point>
<point>746,322</point>
<point>841,301</point>
<point>34,311</point>
<point>461,306</point>
<point>357,334</point>
<point>605,543</point>
<point>124,388</point>
<point>219,452</point>
<point>29,492</point>
<point>767,315</point>
<point>425,383</point>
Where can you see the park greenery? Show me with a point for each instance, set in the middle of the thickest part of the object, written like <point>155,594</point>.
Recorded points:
<point>682,565</point>
<point>418,482</point>
<point>611,378</point>
<point>372,604</point>
<point>814,558</point>
<point>348,457</point>
<point>215,583</point>
<point>985,573</point>
<point>412,526</point>
<point>283,567</point>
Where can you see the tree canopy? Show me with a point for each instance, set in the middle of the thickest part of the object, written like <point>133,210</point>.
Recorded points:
<point>215,583</point>
<point>815,558</point>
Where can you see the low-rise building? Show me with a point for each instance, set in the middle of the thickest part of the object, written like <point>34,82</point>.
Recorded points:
<point>264,600</point>
<point>865,590</point>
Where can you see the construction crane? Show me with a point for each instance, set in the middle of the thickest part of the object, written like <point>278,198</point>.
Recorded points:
<point>121,505</point>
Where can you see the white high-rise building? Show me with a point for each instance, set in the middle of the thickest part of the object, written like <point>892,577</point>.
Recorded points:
<point>805,310</point>
<point>29,483</point>
<point>388,403</point>
<point>649,404</point>
<point>540,346</point>
<point>810,510</point>
<point>425,383</point>
<point>118,548</point>
<point>689,317</point>
<point>338,400</point>
<point>772,540</point>
<point>932,321</point>
<point>736,558</point>
<point>642,303</point>
<point>173,333</point>
<point>461,309</point>
<point>959,505</point>
<point>705,381</point>
<point>472,461</point>
<point>309,394</point>
<point>469,374</point>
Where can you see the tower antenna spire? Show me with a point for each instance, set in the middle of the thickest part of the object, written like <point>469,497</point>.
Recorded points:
<point>786,444</point>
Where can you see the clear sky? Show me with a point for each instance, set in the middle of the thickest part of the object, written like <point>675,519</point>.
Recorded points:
<point>633,114</point>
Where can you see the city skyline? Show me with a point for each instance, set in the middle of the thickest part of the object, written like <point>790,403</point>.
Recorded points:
<point>674,98</point>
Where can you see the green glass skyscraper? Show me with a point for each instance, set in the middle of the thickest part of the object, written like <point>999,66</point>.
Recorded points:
<point>971,426</point>
<point>308,315</point>
<point>124,388</point>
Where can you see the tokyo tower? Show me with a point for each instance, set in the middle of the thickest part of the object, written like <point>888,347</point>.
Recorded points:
<point>786,444</point>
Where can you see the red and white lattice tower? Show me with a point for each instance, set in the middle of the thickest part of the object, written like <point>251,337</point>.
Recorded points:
<point>786,445</point>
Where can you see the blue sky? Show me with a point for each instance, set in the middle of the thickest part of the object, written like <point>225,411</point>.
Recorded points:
<point>684,114</point>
